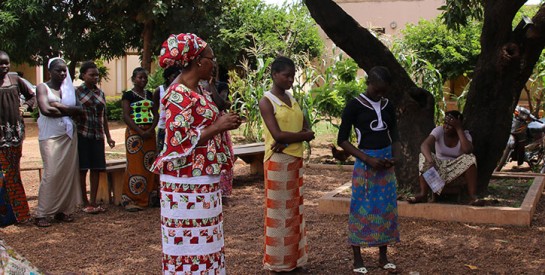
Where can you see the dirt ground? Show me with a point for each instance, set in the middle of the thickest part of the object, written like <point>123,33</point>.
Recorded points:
<point>118,242</point>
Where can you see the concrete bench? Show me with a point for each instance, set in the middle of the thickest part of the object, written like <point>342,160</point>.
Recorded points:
<point>253,154</point>
<point>110,183</point>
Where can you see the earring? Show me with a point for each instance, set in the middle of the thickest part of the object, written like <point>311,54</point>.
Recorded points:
<point>199,64</point>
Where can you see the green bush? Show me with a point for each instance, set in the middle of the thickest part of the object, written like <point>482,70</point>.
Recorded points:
<point>114,111</point>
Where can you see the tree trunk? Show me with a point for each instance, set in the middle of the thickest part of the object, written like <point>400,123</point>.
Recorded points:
<point>414,106</point>
<point>147,36</point>
<point>505,64</point>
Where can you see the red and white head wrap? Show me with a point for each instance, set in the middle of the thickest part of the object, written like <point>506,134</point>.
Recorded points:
<point>180,49</point>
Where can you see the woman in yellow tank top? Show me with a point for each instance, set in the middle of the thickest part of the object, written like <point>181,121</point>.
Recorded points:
<point>285,131</point>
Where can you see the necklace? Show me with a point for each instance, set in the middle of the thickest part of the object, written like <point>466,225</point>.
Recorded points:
<point>140,96</point>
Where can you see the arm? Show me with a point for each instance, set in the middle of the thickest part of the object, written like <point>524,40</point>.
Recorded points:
<point>426,148</point>
<point>68,110</point>
<point>109,139</point>
<point>30,97</point>
<point>342,140</point>
<point>155,112</point>
<point>43,103</point>
<point>465,145</point>
<point>267,112</point>
<point>127,117</point>
<point>226,122</point>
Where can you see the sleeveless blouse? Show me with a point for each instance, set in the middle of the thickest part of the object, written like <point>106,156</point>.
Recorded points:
<point>49,127</point>
<point>289,119</point>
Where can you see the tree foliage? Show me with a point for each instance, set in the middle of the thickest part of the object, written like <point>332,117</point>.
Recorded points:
<point>268,29</point>
<point>506,61</point>
<point>453,53</point>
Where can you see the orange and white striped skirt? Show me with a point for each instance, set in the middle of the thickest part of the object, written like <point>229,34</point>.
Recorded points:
<point>285,232</point>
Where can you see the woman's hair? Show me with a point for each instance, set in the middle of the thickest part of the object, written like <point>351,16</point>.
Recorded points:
<point>281,63</point>
<point>455,114</point>
<point>170,71</point>
<point>85,67</point>
<point>55,62</point>
<point>379,74</point>
<point>138,70</point>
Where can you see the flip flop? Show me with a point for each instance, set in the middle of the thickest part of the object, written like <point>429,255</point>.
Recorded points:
<point>64,217</point>
<point>101,209</point>
<point>477,202</point>
<point>42,222</point>
<point>90,210</point>
<point>390,267</point>
<point>360,270</point>
<point>413,200</point>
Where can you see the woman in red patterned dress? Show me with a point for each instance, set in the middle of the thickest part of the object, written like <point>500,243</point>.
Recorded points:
<point>190,163</point>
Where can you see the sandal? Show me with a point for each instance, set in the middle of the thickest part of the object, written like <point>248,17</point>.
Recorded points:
<point>391,268</point>
<point>63,217</point>
<point>360,270</point>
<point>42,222</point>
<point>90,210</point>
<point>133,208</point>
<point>417,199</point>
<point>477,202</point>
<point>101,209</point>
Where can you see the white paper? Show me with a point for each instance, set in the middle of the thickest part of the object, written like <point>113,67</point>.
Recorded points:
<point>435,182</point>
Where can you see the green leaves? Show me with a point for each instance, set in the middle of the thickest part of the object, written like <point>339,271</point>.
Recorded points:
<point>460,13</point>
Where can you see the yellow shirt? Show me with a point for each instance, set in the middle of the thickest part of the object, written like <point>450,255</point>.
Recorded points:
<point>289,119</point>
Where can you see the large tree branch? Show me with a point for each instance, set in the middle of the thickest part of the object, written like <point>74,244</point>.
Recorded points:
<point>414,106</point>
<point>358,42</point>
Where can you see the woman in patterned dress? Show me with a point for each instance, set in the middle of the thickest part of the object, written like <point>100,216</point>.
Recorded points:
<point>373,208</point>
<point>191,161</point>
<point>286,129</point>
<point>13,201</point>
<point>140,184</point>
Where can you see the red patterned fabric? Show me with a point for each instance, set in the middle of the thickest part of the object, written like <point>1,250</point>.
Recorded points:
<point>187,113</point>
<point>285,231</point>
<point>180,49</point>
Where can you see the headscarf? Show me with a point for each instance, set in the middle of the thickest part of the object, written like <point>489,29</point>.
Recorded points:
<point>68,95</point>
<point>180,49</point>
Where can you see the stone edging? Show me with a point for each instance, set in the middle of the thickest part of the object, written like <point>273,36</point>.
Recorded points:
<point>522,216</point>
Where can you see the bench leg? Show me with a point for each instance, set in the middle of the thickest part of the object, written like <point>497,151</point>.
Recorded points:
<point>116,181</point>
<point>103,193</point>
<point>256,167</point>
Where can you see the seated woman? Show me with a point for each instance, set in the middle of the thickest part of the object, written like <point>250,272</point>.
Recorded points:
<point>452,158</point>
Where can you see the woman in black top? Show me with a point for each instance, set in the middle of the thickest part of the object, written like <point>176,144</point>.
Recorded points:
<point>373,207</point>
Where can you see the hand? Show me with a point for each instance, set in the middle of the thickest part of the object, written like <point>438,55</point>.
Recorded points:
<point>390,162</point>
<point>278,147</point>
<point>228,121</point>
<point>454,122</point>
<point>378,164</point>
<point>147,134</point>
<point>111,142</point>
<point>427,165</point>
<point>308,135</point>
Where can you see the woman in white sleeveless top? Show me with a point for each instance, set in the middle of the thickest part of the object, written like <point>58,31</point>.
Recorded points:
<point>60,191</point>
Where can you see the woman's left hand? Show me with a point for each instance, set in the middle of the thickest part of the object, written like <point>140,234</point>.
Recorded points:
<point>111,142</point>
<point>279,147</point>
<point>454,122</point>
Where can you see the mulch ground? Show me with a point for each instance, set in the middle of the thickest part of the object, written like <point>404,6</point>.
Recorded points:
<point>118,242</point>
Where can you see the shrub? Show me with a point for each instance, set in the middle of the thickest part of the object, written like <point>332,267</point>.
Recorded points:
<point>114,111</point>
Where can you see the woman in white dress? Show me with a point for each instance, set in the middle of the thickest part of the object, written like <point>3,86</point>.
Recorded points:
<point>60,191</point>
